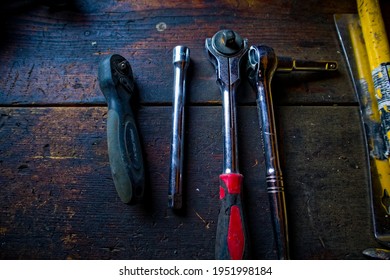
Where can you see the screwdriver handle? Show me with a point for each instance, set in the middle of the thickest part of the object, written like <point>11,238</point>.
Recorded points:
<point>231,237</point>
<point>124,149</point>
<point>378,53</point>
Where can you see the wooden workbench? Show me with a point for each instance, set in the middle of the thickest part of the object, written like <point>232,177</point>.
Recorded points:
<point>57,198</point>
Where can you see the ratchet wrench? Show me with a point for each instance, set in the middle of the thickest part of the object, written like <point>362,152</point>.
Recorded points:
<point>124,150</point>
<point>226,50</point>
<point>181,60</point>
<point>261,66</point>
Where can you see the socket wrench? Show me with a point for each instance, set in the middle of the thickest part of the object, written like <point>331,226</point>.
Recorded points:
<point>124,148</point>
<point>261,66</point>
<point>226,50</point>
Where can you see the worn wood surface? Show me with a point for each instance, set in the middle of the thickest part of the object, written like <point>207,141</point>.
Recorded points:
<point>57,199</point>
<point>52,57</point>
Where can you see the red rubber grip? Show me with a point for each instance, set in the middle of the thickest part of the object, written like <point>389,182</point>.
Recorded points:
<point>236,240</point>
<point>230,225</point>
<point>232,182</point>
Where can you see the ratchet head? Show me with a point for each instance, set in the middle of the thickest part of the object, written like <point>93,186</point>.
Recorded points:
<point>115,73</point>
<point>262,63</point>
<point>227,42</point>
<point>226,50</point>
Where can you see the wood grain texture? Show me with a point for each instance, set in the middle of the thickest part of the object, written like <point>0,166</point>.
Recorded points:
<point>52,56</point>
<point>58,200</point>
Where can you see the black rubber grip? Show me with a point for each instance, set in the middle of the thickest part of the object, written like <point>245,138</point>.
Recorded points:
<point>124,148</point>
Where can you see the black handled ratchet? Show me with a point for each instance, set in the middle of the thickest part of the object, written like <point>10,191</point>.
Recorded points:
<point>124,149</point>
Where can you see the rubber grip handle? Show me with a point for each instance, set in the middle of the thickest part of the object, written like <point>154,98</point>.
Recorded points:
<point>125,156</point>
<point>124,148</point>
<point>231,237</point>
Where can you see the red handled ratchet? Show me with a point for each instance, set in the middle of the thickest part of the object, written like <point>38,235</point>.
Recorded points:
<point>226,50</point>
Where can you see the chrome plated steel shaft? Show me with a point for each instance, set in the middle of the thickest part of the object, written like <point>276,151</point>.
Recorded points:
<point>181,60</point>
<point>226,50</point>
<point>262,63</point>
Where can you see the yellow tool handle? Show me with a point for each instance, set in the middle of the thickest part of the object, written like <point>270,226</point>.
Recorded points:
<point>379,165</point>
<point>374,32</point>
<point>378,53</point>
<point>366,84</point>
<point>375,57</point>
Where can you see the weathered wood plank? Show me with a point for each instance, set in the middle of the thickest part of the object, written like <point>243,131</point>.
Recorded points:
<point>57,199</point>
<point>52,57</point>
<point>57,190</point>
<point>327,182</point>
